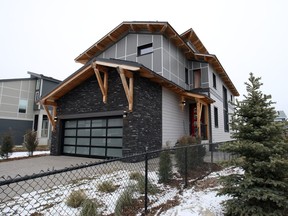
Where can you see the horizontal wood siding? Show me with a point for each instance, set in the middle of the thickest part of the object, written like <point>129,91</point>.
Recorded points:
<point>175,121</point>
<point>218,134</point>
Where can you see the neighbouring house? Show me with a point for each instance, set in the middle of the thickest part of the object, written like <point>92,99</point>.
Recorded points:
<point>281,116</point>
<point>141,86</point>
<point>19,111</point>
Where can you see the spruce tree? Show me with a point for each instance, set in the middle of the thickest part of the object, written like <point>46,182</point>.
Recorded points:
<point>6,146</point>
<point>262,154</point>
<point>165,167</point>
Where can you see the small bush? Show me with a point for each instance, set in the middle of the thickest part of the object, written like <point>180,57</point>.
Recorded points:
<point>30,142</point>
<point>7,146</point>
<point>195,154</point>
<point>152,189</point>
<point>89,208</point>
<point>107,187</point>
<point>124,200</point>
<point>135,176</point>
<point>76,198</point>
<point>165,167</point>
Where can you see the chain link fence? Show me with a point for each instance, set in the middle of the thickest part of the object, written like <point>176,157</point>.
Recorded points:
<point>111,187</point>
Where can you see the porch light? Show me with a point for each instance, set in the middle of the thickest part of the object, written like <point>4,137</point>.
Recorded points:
<point>55,119</point>
<point>125,114</point>
<point>184,103</point>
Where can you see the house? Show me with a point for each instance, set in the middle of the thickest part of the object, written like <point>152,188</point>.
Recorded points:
<point>19,111</point>
<point>141,86</point>
<point>281,116</point>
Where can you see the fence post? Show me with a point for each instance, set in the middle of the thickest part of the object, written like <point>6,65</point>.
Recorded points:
<point>185,168</point>
<point>146,180</point>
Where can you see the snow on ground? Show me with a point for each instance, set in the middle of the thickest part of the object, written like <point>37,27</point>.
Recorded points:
<point>25,154</point>
<point>193,202</point>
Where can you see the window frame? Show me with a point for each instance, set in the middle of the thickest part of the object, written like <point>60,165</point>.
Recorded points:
<point>216,117</point>
<point>145,49</point>
<point>214,81</point>
<point>23,105</point>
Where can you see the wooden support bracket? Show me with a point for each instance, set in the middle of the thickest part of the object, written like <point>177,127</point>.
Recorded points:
<point>103,84</point>
<point>50,117</point>
<point>127,88</point>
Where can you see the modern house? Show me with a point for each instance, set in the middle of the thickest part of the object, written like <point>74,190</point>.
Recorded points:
<point>281,116</point>
<point>19,111</point>
<point>141,86</point>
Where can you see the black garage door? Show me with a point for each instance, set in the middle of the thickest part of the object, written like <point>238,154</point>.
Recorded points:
<point>98,137</point>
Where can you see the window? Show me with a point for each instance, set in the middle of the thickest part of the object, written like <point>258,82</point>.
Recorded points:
<point>197,78</point>
<point>214,81</point>
<point>186,76</point>
<point>216,117</point>
<point>22,106</point>
<point>225,110</point>
<point>231,98</point>
<point>44,129</point>
<point>145,49</point>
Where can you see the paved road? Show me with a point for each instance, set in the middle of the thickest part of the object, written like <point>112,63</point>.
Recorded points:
<point>36,164</point>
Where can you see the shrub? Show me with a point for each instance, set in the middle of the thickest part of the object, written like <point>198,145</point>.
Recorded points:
<point>124,200</point>
<point>195,154</point>
<point>152,189</point>
<point>76,198</point>
<point>30,142</point>
<point>89,208</point>
<point>107,187</point>
<point>165,167</point>
<point>7,145</point>
<point>135,176</point>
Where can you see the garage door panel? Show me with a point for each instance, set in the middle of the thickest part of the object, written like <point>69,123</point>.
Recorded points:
<point>98,151</point>
<point>69,149</point>
<point>93,137</point>
<point>82,150</point>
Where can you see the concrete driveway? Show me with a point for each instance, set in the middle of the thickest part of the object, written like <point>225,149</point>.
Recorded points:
<point>36,164</point>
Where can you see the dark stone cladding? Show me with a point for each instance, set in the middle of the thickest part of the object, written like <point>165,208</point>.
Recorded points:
<point>141,128</point>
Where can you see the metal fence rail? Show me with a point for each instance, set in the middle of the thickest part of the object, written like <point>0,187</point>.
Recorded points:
<point>105,184</point>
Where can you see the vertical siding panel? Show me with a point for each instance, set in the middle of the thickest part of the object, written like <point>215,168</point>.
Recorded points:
<point>175,121</point>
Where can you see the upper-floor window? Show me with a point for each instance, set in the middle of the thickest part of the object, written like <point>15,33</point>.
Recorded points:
<point>216,117</point>
<point>214,81</point>
<point>197,78</point>
<point>225,110</point>
<point>22,106</point>
<point>186,76</point>
<point>145,49</point>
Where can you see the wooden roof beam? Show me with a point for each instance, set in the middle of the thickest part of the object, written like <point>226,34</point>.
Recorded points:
<point>112,38</point>
<point>103,84</point>
<point>127,88</point>
<point>163,29</point>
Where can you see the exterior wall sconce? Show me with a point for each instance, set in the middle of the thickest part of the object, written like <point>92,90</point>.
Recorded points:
<point>125,114</point>
<point>55,119</point>
<point>184,103</point>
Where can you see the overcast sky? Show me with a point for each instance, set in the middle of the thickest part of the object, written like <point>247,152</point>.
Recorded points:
<point>45,36</point>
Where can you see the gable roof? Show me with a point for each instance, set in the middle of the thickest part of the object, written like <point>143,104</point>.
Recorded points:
<point>195,51</point>
<point>87,71</point>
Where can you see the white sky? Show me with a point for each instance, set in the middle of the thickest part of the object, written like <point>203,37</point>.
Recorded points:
<point>247,36</point>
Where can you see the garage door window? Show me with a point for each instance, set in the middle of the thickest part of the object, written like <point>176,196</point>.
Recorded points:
<point>93,137</point>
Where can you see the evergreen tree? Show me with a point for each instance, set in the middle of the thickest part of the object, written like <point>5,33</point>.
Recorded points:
<point>165,167</point>
<point>30,141</point>
<point>262,154</point>
<point>6,146</point>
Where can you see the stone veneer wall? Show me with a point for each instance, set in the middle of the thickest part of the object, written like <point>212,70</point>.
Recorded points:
<point>141,128</point>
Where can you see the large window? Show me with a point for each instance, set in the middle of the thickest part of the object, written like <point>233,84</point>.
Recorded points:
<point>45,125</point>
<point>197,78</point>
<point>214,81</point>
<point>145,49</point>
<point>100,137</point>
<point>225,110</point>
<point>186,76</point>
<point>23,106</point>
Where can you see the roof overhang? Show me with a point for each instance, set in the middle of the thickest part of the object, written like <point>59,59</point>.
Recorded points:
<point>87,71</point>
